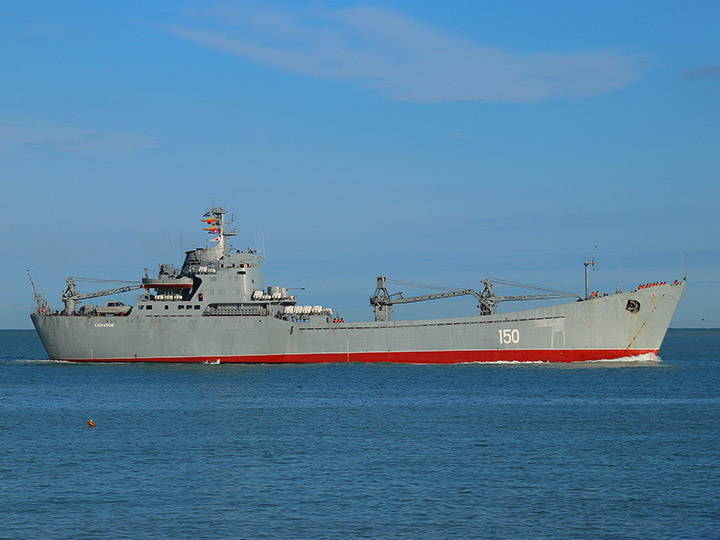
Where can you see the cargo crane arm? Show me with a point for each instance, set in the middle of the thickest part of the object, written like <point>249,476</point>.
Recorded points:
<point>71,297</point>
<point>400,299</point>
<point>42,304</point>
<point>382,300</point>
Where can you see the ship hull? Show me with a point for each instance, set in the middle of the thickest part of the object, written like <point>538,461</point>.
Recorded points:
<point>596,329</point>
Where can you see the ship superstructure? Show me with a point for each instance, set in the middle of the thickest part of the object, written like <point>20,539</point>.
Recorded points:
<point>217,309</point>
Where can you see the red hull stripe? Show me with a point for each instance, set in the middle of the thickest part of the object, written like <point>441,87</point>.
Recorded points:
<point>406,357</point>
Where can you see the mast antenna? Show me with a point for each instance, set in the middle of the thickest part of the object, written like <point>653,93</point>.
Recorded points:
<point>587,263</point>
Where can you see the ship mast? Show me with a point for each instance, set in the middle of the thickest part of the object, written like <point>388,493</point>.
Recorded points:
<point>589,262</point>
<point>215,218</point>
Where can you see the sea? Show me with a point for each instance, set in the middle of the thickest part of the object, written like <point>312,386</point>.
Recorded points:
<point>616,450</point>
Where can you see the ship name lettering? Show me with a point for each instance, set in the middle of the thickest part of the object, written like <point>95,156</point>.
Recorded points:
<point>509,335</point>
<point>104,325</point>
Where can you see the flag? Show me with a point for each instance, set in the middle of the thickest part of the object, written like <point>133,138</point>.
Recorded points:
<point>210,220</point>
<point>216,239</point>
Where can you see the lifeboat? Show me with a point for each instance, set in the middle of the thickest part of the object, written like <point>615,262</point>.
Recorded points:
<point>113,307</point>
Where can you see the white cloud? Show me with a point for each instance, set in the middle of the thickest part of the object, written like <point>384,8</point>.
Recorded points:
<point>24,134</point>
<point>705,71</point>
<point>404,58</point>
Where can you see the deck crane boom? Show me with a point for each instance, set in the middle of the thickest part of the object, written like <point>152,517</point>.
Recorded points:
<point>71,297</point>
<point>382,301</point>
<point>42,304</point>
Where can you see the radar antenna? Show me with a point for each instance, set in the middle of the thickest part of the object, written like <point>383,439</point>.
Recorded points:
<point>218,227</point>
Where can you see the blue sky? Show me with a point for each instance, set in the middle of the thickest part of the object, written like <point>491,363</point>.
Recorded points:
<point>435,142</point>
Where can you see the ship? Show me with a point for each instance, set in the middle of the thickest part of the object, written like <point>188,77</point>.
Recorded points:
<point>216,309</point>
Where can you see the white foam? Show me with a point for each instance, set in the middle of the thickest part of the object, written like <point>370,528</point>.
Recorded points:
<point>645,359</point>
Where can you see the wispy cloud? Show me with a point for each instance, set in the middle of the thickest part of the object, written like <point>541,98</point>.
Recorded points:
<point>26,134</point>
<point>46,30</point>
<point>402,57</point>
<point>705,71</point>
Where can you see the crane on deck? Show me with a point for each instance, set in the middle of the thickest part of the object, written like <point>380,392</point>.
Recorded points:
<point>71,297</point>
<point>42,305</point>
<point>382,301</point>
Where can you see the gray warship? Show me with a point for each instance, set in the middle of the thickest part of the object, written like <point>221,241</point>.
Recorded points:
<point>215,309</point>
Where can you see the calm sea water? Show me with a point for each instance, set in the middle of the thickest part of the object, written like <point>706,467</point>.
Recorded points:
<point>361,450</point>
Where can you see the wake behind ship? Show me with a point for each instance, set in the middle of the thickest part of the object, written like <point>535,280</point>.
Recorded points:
<point>216,309</point>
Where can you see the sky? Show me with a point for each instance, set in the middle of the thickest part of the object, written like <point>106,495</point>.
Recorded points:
<point>433,142</point>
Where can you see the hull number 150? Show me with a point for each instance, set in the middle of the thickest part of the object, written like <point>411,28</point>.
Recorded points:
<point>509,336</point>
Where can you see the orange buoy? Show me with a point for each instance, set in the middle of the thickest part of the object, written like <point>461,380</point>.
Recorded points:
<point>91,423</point>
